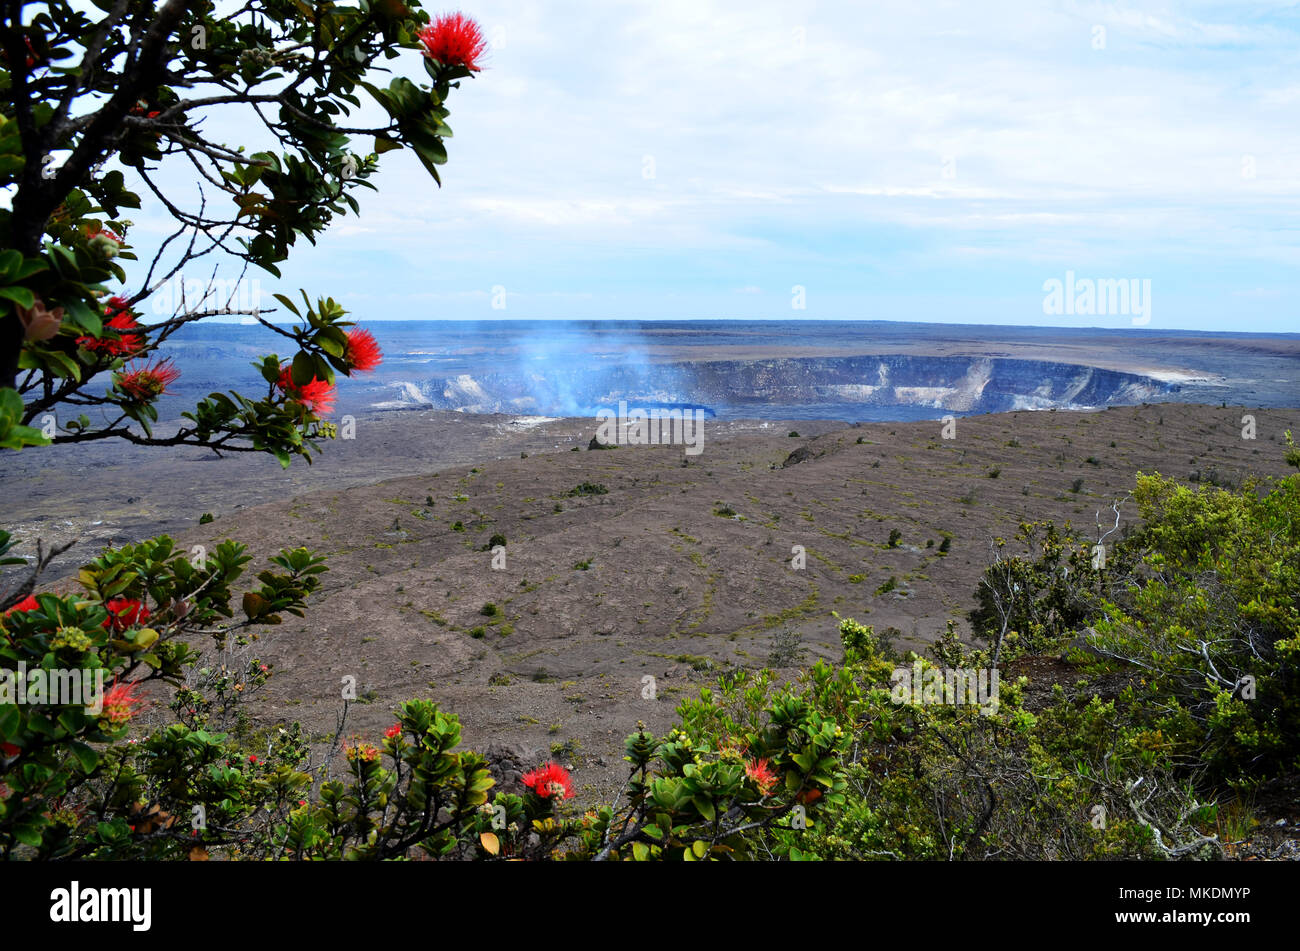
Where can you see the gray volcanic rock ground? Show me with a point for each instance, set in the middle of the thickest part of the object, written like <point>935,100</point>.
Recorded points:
<point>109,492</point>
<point>655,578</point>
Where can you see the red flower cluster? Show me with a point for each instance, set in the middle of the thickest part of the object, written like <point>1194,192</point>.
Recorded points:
<point>362,351</point>
<point>120,702</point>
<point>761,774</point>
<point>148,382</point>
<point>28,603</point>
<point>102,232</point>
<point>550,780</point>
<point>361,751</point>
<point>33,58</point>
<point>393,731</point>
<point>121,320</point>
<point>453,39</point>
<point>316,395</point>
<point>809,795</point>
<point>124,613</point>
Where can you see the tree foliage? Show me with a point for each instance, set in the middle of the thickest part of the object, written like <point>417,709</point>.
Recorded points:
<point>134,89</point>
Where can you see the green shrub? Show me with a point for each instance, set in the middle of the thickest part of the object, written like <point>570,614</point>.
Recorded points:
<point>1188,685</point>
<point>787,649</point>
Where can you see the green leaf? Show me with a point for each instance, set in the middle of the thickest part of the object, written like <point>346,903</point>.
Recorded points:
<point>84,316</point>
<point>304,368</point>
<point>287,303</point>
<point>9,263</point>
<point>86,756</point>
<point>270,368</point>
<point>9,720</point>
<point>39,723</point>
<point>69,366</point>
<point>323,370</point>
<point>705,807</point>
<point>19,295</point>
<point>255,606</point>
<point>331,346</point>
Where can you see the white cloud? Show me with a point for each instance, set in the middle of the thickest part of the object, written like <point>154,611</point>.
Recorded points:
<point>775,129</point>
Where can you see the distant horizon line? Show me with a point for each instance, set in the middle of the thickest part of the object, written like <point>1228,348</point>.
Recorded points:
<point>1144,330</point>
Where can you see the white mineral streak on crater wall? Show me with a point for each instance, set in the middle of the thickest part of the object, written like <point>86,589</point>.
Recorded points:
<point>935,397</point>
<point>850,392</point>
<point>1034,401</point>
<point>970,388</point>
<point>408,394</point>
<point>462,387</point>
<point>1076,386</point>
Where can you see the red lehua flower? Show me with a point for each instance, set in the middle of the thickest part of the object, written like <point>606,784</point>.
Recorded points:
<point>454,39</point>
<point>28,603</point>
<point>9,749</point>
<point>148,382</point>
<point>361,751</point>
<point>394,730</point>
<point>363,351</point>
<point>121,320</point>
<point>550,780</point>
<point>316,395</point>
<point>106,233</point>
<point>124,613</point>
<point>119,702</point>
<point>33,58</point>
<point>761,774</point>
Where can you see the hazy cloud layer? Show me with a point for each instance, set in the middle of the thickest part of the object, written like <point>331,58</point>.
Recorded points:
<point>920,160</point>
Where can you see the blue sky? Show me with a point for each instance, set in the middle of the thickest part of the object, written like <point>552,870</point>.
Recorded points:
<point>918,160</point>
